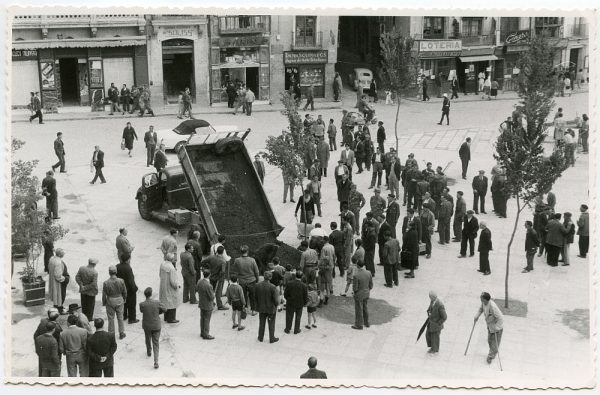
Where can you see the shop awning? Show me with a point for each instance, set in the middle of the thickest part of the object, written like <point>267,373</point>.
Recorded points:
<point>469,59</point>
<point>81,43</point>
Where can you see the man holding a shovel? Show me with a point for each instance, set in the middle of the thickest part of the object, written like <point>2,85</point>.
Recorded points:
<point>494,320</point>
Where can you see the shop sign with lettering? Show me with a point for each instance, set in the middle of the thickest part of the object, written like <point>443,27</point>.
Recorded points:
<point>305,57</point>
<point>23,54</point>
<point>241,41</point>
<point>439,48</point>
<point>518,37</point>
<point>189,32</point>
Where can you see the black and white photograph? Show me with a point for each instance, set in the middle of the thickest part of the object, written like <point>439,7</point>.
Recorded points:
<point>383,200</point>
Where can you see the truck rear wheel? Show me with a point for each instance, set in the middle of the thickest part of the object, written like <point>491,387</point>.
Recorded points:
<point>228,145</point>
<point>145,213</point>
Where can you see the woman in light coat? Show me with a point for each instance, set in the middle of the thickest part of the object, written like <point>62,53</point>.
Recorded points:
<point>169,288</point>
<point>56,278</point>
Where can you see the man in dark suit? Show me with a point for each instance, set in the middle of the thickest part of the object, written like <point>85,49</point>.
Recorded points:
<point>101,347</point>
<point>465,156</point>
<point>206,303</point>
<point>410,217</point>
<point>37,108</point>
<point>267,300</point>
<point>383,228</point>
<point>485,246</point>
<point>445,110</point>
<point>361,285</point>
<point>459,214</point>
<point>160,158</point>
<point>98,164</point>
<point>469,233</point>
<point>532,242</point>
<point>151,310</point>
<point>46,347</point>
<point>150,139</point>
<point>392,213</point>
<point>296,296</point>
<point>49,190</point>
<point>480,186</point>
<point>260,168</point>
<point>53,315</point>
<point>59,150</point>
<point>124,272</point>
<point>313,372</point>
<point>437,316</point>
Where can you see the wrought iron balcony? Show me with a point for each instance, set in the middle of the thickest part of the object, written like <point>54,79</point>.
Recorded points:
<point>307,42</point>
<point>468,40</point>
<point>244,24</point>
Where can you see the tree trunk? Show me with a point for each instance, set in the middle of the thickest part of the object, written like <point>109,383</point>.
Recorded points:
<point>396,124</point>
<point>512,237</point>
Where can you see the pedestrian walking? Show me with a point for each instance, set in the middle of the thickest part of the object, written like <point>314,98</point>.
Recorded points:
<point>114,294</point>
<point>485,246</point>
<point>465,156</point>
<point>267,301</point>
<point>59,151</point>
<point>58,278</point>
<point>74,341</point>
<point>454,85</point>
<point>331,134</point>
<point>145,104</point>
<point>296,296</point>
<point>48,351</point>
<point>169,288</point>
<point>206,303</point>
<point>337,87</point>
<point>480,186</point>
<point>494,320</point>
<point>424,88</point>
<point>97,164</point>
<point>231,94</point>
<point>381,137</point>
<point>445,110</point>
<point>249,101</point>
<point>113,97</point>
<point>583,230</point>
<point>151,310</point>
<point>37,108</point>
<point>188,272</point>
<point>87,279</point>
<point>361,285</point>
<point>373,90</point>
<point>150,140</point>
<point>122,243</point>
<point>469,233</point>
<point>101,347</point>
<point>127,138</point>
<point>186,99</point>
<point>51,194</point>
<point>125,273</point>
<point>310,98</point>
<point>436,313</point>
<point>237,301</point>
<point>246,270</point>
<point>313,372</point>
<point>532,243</point>
<point>125,98</point>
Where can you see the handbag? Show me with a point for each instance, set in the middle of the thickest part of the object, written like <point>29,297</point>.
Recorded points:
<point>123,144</point>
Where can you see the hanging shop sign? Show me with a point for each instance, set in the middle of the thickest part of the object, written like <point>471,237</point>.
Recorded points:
<point>305,57</point>
<point>241,41</point>
<point>24,54</point>
<point>518,37</point>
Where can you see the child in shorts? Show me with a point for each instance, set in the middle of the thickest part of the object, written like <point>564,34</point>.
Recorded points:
<point>235,297</point>
<point>311,306</point>
<point>350,274</point>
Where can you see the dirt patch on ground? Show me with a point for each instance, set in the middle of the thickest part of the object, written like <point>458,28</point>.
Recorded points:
<point>578,320</point>
<point>516,308</point>
<point>341,310</point>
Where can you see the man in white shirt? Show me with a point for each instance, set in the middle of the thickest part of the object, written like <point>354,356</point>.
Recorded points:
<point>494,320</point>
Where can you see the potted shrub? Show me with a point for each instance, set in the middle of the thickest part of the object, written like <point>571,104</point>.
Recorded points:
<point>29,226</point>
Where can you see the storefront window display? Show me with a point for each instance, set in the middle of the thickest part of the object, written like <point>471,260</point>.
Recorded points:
<point>47,69</point>
<point>239,56</point>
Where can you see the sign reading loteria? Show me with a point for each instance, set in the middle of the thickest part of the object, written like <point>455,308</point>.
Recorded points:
<point>439,48</point>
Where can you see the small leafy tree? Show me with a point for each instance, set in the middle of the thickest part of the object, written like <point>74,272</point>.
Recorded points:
<point>398,70</point>
<point>519,150</point>
<point>288,150</point>
<point>28,224</point>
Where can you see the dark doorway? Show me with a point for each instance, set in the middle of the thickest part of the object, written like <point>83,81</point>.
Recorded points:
<point>69,81</point>
<point>252,80</point>
<point>178,74</point>
<point>574,59</point>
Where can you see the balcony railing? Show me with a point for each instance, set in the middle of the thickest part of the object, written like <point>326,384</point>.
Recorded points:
<point>241,24</point>
<point>469,40</point>
<point>307,42</point>
<point>76,19</point>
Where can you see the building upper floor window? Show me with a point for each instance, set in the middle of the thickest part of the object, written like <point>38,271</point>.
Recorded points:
<point>433,27</point>
<point>244,24</point>
<point>472,27</point>
<point>306,30</point>
<point>545,21</point>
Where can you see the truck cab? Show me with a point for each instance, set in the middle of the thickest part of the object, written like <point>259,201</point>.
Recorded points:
<point>163,192</point>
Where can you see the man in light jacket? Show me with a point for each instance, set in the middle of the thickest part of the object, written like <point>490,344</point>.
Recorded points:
<point>494,320</point>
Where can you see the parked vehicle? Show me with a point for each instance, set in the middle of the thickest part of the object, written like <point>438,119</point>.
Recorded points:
<point>364,76</point>
<point>175,138</point>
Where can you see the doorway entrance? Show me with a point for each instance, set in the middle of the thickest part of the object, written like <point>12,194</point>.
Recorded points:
<point>69,81</point>
<point>178,68</point>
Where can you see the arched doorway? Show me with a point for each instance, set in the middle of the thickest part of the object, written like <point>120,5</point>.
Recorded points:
<point>178,68</point>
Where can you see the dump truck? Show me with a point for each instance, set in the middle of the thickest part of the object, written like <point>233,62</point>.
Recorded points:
<point>216,188</point>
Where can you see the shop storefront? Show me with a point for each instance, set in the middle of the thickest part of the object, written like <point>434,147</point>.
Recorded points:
<point>472,63</point>
<point>241,60</point>
<point>25,76</point>
<point>507,71</point>
<point>437,62</point>
<point>307,67</point>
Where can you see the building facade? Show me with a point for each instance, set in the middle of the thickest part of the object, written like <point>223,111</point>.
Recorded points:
<point>72,59</point>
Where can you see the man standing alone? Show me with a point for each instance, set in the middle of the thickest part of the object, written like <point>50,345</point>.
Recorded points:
<point>267,300</point>
<point>151,310</point>
<point>296,296</point>
<point>532,243</point>
<point>494,320</point>
<point>362,285</point>
<point>465,156</point>
<point>59,151</point>
<point>583,230</point>
<point>206,303</point>
<point>485,246</point>
<point>150,139</point>
<point>437,316</point>
<point>480,186</point>
<point>114,294</point>
<point>49,190</point>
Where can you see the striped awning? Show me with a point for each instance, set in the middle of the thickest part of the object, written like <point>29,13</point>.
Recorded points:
<point>81,43</point>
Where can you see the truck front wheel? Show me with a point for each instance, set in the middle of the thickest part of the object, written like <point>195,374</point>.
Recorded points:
<point>145,213</point>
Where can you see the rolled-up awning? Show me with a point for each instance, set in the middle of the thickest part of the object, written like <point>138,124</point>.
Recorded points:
<point>81,43</point>
<point>485,58</point>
